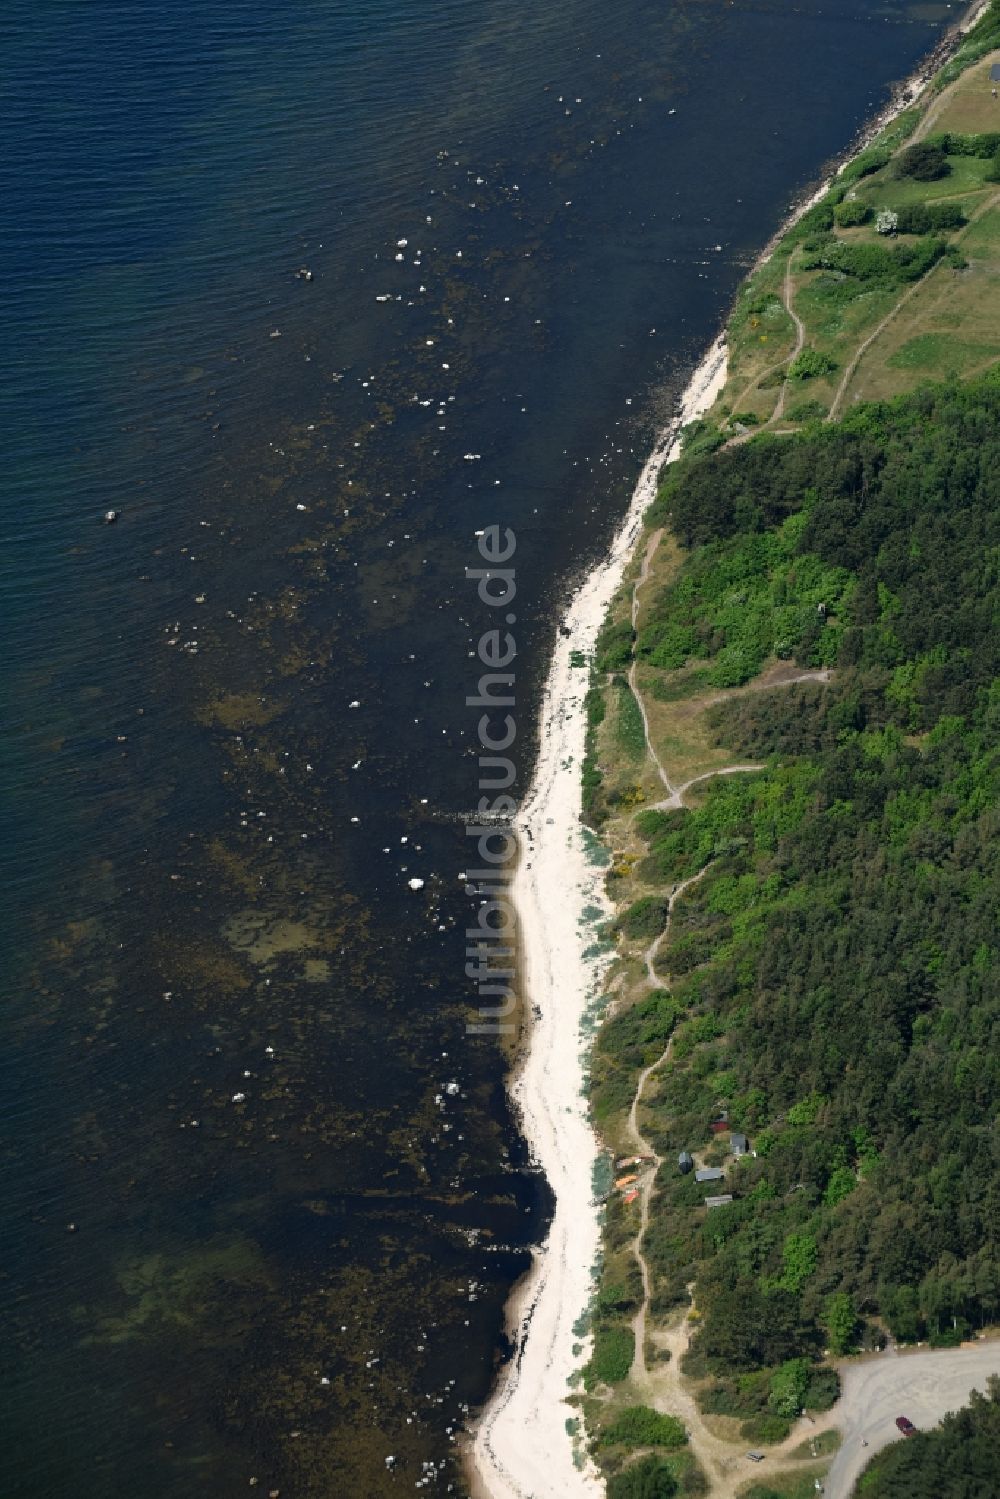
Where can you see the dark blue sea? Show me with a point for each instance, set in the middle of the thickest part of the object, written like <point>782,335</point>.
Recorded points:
<point>308,293</point>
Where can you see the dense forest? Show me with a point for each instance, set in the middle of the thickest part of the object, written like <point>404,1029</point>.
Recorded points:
<point>833,976</point>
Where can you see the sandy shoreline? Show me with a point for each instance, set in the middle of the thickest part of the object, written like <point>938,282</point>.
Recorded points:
<point>520,1447</point>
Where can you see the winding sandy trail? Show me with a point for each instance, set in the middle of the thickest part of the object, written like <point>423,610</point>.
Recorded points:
<point>724,1462</point>
<point>640,581</point>
<point>789,359</point>
<point>675,800</point>
<point>644,1147</point>
<point>800,338</point>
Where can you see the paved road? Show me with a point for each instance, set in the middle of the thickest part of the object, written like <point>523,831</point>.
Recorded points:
<point>923,1386</point>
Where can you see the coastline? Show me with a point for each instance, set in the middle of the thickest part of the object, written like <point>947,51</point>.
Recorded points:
<point>905,95</point>
<point>520,1445</point>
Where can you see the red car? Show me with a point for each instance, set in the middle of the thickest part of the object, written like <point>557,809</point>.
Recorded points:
<point>906,1426</point>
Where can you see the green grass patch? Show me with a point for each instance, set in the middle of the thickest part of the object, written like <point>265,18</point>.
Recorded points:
<point>782,1486</point>
<point>806,411</point>
<point>679,685</point>
<point>640,1426</point>
<point>940,354</point>
<point>768,1429</point>
<point>967,174</point>
<point>823,1445</point>
<point>630,732</point>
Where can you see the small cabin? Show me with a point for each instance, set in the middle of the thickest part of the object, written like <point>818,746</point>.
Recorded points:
<point>718,1202</point>
<point>685,1162</point>
<point>995,73</point>
<point>719,1126</point>
<point>740,1144</point>
<point>709,1174</point>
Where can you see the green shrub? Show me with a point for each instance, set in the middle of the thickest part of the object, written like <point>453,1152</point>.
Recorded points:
<point>922,218</point>
<point>923,161</point>
<point>788,1387</point>
<point>771,380</point>
<point>673,647</point>
<point>817,219</point>
<point>637,1035</point>
<point>630,731</point>
<point>743,1397</point>
<point>952,144</point>
<point>950,1337</point>
<point>993,170</point>
<point>851,212</point>
<point>646,917</point>
<point>700,436</point>
<point>809,364</point>
<point>889,264</point>
<point>766,1429</point>
<point>615,1298</point>
<point>614,646</point>
<point>611,1360</point>
<point>639,1426</point>
<point>823,1390</point>
<point>983,37</point>
<point>595,707</point>
<point>840,1321</point>
<point>806,411</point>
<point>649,1478</point>
<point>652,823</point>
<point>902,1312</point>
<point>865,163</point>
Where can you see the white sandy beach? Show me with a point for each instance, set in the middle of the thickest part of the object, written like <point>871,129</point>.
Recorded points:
<point>520,1447</point>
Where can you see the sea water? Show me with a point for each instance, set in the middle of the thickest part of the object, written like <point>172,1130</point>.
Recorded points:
<point>308,295</point>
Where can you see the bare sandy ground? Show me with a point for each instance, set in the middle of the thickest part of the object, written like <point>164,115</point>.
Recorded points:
<point>520,1447</point>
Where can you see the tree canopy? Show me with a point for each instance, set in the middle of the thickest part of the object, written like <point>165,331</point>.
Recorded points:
<point>835,971</point>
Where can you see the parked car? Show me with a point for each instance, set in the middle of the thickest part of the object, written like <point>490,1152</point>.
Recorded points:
<point>756,1457</point>
<point>905,1425</point>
